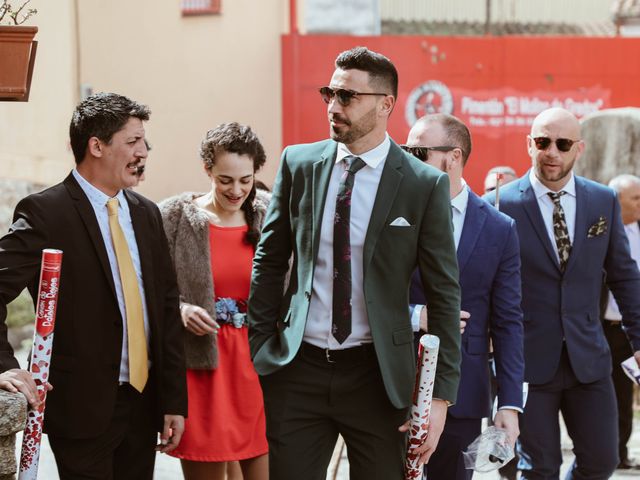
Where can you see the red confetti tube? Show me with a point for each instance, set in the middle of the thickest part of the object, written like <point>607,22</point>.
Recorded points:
<point>40,359</point>
<point>422,398</point>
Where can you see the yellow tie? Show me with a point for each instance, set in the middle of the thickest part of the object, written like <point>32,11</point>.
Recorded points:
<point>138,364</point>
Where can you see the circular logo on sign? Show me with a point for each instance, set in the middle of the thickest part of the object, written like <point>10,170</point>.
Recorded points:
<point>430,97</point>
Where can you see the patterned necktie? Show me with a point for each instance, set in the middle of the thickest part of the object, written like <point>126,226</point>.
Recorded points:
<point>560,230</point>
<point>341,327</point>
<point>138,363</point>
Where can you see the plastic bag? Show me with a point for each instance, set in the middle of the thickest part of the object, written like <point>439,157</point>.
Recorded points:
<point>488,452</point>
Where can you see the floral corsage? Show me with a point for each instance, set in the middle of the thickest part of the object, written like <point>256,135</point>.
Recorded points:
<point>230,310</point>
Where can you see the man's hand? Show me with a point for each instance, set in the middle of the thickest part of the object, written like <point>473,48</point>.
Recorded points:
<point>197,320</point>
<point>507,419</point>
<point>18,380</point>
<point>437,419</point>
<point>637,357</point>
<point>171,433</point>
<point>464,316</point>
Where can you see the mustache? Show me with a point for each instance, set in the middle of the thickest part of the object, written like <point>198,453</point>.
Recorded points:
<point>339,118</point>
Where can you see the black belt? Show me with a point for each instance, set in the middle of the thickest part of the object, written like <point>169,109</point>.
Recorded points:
<point>612,323</point>
<point>346,356</point>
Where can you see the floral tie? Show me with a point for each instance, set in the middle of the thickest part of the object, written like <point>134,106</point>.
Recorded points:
<point>341,326</point>
<point>560,230</point>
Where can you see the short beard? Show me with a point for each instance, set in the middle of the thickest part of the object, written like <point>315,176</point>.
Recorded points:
<point>357,130</point>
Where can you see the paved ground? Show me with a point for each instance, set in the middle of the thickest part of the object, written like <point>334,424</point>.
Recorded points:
<point>168,468</point>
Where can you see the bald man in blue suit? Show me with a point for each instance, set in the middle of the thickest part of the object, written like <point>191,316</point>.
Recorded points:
<point>489,262</point>
<point>570,232</point>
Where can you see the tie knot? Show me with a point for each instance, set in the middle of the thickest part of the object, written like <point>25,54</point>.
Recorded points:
<point>112,207</point>
<point>354,163</point>
<point>555,196</point>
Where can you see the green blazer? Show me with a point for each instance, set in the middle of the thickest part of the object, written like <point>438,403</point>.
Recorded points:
<point>290,237</point>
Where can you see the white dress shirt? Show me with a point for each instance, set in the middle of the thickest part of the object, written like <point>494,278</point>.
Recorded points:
<point>318,328</point>
<point>633,234</point>
<point>568,202</point>
<point>98,200</point>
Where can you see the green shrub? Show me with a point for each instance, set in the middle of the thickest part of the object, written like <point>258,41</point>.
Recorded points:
<point>20,311</point>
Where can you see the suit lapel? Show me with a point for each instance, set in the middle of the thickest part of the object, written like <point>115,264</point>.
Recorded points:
<point>142,230</point>
<point>88,217</point>
<point>387,190</point>
<point>320,182</point>
<point>474,220</point>
<point>579,233</point>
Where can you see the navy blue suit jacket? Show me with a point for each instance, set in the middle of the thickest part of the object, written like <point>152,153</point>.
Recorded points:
<point>489,263</point>
<point>561,306</point>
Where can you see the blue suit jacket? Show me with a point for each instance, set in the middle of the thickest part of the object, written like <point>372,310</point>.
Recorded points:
<point>561,306</point>
<point>489,263</point>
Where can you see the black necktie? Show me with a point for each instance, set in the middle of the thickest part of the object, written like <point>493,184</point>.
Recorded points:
<point>560,230</point>
<point>341,327</point>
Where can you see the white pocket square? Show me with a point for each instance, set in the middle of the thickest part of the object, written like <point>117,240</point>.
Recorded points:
<point>400,222</point>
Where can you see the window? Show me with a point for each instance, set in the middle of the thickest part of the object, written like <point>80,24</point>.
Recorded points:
<point>200,7</point>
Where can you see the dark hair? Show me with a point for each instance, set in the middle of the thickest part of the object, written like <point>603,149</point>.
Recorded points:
<point>101,115</point>
<point>382,73</point>
<point>456,131</point>
<point>235,138</point>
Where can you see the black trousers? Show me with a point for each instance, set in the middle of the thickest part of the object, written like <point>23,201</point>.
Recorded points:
<point>620,351</point>
<point>315,398</point>
<point>589,412</point>
<point>125,451</point>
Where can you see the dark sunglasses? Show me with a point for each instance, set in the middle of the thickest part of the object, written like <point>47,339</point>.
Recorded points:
<point>563,144</point>
<point>343,96</point>
<point>422,153</point>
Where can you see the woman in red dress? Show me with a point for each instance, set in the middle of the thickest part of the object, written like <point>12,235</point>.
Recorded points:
<point>212,237</point>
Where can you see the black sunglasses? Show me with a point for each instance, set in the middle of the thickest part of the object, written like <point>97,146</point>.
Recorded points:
<point>343,96</point>
<point>422,153</point>
<point>563,144</point>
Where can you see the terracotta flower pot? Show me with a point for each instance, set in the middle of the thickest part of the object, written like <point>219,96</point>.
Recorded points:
<point>17,57</point>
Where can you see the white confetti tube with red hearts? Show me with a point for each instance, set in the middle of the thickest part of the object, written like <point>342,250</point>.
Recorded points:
<point>40,359</point>
<point>422,397</point>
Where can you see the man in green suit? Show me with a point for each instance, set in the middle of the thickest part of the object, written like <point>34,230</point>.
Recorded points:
<point>349,221</point>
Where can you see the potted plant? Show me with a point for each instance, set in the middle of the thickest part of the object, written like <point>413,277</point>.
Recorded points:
<point>17,50</point>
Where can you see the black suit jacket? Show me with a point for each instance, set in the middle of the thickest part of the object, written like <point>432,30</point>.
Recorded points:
<point>88,331</point>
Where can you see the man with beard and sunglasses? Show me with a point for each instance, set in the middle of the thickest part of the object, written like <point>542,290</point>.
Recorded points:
<point>571,239</point>
<point>489,264</point>
<point>354,216</point>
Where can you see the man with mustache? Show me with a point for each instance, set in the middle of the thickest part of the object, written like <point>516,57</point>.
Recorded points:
<point>570,232</point>
<point>356,215</point>
<point>117,365</point>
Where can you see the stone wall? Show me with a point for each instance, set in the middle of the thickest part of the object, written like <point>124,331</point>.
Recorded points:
<point>13,416</point>
<point>11,191</point>
<point>13,406</point>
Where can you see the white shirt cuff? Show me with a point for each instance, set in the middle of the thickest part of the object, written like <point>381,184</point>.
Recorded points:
<point>415,317</point>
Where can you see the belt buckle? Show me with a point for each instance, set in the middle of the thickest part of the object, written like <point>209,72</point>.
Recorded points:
<point>328,355</point>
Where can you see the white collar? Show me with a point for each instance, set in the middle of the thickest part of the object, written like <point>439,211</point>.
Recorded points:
<point>96,196</point>
<point>461,200</point>
<point>542,190</point>
<point>373,157</point>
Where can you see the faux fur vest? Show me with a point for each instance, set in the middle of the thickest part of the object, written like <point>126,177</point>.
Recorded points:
<point>187,229</point>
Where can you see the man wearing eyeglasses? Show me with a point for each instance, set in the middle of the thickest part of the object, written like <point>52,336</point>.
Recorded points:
<point>571,233</point>
<point>356,215</point>
<point>489,262</point>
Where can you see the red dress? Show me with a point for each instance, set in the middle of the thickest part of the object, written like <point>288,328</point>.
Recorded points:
<point>226,412</point>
